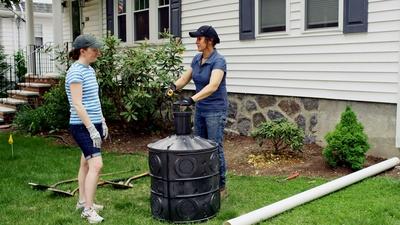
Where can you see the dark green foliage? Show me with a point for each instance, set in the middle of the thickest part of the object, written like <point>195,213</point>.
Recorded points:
<point>133,80</point>
<point>4,73</point>
<point>8,3</point>
<point>20,67</point>
<point>348,143</point>
<point>282,134</point>
<point>3,56</point>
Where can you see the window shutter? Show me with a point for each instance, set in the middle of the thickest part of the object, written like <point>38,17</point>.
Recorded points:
<point>246,19</point>
<point>110,16</point>
<point>355,16</point>
<point>175,14</point>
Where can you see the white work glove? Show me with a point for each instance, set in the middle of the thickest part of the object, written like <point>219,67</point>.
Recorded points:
<point>105,129</point>
<point>95,136</point>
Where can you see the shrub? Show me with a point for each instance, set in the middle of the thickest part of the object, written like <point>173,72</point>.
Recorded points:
<point>134,80</point>
<point>3,60</point>
<point>348,143</point>
<point>281,133</point>
<point>20,67</point>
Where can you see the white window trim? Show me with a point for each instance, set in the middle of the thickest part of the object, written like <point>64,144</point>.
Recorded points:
<point>338,29</point>
<point>271,34</point>
<point>153,23</point>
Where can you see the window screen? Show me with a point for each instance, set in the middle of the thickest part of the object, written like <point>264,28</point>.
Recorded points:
<point>272,15</point>
<point>322,13</point>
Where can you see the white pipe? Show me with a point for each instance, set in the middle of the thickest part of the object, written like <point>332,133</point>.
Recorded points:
<point>314,193</point>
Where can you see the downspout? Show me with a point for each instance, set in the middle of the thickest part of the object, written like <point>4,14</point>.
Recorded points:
<point>312,194</point>
<point>398,100</point>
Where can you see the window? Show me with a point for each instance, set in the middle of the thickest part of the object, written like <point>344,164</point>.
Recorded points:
<point>272,15</point>
<point>138,20</point>
<point>163,16</point>
<point>122,20</point>
<point>141,19</point>
<point>38,30</point>
<point>321,13</point>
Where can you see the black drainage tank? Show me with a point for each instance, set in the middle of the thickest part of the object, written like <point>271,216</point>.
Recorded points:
<point>184,172</point>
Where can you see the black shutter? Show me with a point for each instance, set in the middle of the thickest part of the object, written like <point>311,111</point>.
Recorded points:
<point>175,14</point>
<point>355,16</point>
<point>246,19</point>
<point>110,16</point>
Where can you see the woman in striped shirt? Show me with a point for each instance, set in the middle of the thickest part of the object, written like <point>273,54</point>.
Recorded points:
<point>87,124</point>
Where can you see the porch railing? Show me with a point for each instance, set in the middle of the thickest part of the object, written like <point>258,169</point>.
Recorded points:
<point>39,60</point>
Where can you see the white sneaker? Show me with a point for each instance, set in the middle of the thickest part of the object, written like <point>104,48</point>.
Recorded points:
<point>91,215</point>
<point>81,206</point>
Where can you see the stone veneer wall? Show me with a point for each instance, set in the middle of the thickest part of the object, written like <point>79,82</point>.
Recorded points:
<point>246,112</point>
<point>316,117</point>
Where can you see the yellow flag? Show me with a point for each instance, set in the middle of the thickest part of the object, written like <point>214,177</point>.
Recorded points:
<point>10,140</point>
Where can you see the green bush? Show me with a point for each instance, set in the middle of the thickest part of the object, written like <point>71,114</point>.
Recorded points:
<point>348,143</point>
<point>281,133</point>
<point>133,80</point>
<point>20,67</point>
<point>3,59</point>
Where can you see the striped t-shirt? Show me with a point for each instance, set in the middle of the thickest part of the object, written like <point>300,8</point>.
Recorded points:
<point>79,73</point>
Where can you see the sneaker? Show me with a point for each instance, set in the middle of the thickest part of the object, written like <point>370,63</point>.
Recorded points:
<point>81,206</point>
<point>91,215</point>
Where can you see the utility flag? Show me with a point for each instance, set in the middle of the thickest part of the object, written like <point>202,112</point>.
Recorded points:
<point>11,142</point>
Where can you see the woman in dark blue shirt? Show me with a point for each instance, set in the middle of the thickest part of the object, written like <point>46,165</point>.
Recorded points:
<point>208,71</point>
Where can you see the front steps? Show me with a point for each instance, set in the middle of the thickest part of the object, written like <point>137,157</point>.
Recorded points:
<point>30,93</point>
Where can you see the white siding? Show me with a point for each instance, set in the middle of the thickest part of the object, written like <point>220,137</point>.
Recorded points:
<point>67,22</point>
<point>322,63</point>
<point>9,36</point>
<point>92,18</point>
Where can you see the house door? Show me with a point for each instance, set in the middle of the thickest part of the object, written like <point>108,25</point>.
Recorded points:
<point>76,19</point>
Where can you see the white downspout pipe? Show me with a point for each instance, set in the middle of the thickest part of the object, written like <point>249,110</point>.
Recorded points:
<point>314,193</point>
<point>397,135</point>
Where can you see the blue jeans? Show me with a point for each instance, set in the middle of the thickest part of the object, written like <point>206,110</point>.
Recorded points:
<point>210,125</point>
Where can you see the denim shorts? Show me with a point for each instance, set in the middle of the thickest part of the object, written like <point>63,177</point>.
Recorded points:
<point>82,138</point>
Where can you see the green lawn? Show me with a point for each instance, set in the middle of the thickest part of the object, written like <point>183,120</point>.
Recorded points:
<point>373,201</point>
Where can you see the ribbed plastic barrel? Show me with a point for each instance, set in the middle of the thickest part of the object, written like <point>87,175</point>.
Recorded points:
<point>184,172</point>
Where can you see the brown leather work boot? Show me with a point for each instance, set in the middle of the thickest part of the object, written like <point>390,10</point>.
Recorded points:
<point>223,193</point>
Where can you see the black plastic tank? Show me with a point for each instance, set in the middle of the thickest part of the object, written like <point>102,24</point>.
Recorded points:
<point>184,172</point>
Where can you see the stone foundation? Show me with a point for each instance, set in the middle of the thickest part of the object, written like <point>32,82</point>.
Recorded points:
<point>316,117</point>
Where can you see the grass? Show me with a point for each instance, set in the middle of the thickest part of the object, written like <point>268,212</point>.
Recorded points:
<point>372,201</point>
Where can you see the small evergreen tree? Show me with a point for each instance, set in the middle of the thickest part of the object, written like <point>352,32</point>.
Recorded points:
<point>348,143</point>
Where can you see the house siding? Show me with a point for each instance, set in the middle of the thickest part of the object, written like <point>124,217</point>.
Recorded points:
<point>322,63</point>
<point>67,28</point>
<point>92,18</point>
<point>9,32</point>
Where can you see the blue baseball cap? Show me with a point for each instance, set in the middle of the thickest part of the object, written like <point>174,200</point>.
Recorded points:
<point>205,31</point>
<point>86,41</point>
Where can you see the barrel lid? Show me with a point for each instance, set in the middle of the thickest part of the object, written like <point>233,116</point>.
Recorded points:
<point>182,143</point>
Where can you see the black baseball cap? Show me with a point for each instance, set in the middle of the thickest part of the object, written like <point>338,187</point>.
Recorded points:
<point>206,31</point>
<point>86,41</point>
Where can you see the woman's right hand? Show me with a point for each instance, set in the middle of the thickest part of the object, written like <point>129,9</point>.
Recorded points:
<point>95,136</point>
